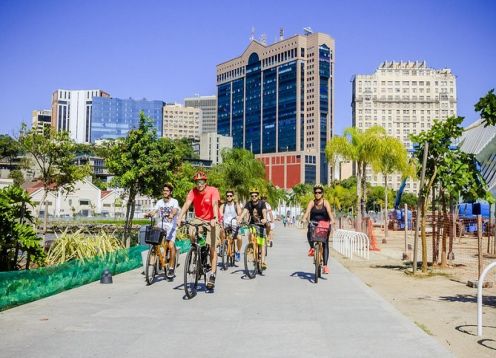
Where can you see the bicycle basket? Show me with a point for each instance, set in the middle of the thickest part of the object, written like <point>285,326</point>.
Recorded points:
<point>154,235</point>
<point>319,233</point>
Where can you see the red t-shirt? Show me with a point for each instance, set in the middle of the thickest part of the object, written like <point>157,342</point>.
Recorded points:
<point>202,202</point>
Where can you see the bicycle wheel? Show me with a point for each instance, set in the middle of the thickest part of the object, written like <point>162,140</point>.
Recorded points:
<point>191,267</point>
<point>223,255</point>
<point>316,261</point>
<point>251,264</point>
<point>151,268</point>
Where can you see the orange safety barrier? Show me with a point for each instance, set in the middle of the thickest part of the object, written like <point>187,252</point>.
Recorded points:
<point>371,235</point>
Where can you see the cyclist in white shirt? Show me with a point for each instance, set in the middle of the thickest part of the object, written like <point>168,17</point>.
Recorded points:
<point>229,211</point>
<point>167,210</point>
<point>270,220</point>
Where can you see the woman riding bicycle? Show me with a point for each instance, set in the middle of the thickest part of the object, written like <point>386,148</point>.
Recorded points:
<point>318,210</point>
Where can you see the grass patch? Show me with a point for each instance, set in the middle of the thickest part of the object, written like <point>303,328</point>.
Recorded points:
<point>424,328</point>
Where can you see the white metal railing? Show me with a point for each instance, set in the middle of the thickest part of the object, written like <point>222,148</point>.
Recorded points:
<point>480,285</point>
<point>349,243</point>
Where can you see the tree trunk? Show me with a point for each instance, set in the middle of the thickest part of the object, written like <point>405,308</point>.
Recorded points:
<point>451,255</point>
<point>28,260</point>
<point>424,239</point>
<point>364,190</point>
<point>444,258</point>
<point>358,222</point>
<point>129,216</point>
<point>386,210</point>
<point>45,216</point>
<point>434,228</point>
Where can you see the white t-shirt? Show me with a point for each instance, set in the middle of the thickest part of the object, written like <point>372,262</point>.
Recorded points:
<point>269,211</point>
<point>230,213</point>
<point>163,210</point>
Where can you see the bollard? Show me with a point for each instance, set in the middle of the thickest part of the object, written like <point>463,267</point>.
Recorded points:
<point>106,277</point>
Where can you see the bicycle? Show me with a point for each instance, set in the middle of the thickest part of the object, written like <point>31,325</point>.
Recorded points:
<point>254,256</point>
<point>230,244</point>
<point>196,264</point>
<point>318,237</point>
<point>222,254</point>
<point>159,254</point>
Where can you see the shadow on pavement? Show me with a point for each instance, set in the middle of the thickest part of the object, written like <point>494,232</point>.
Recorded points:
<point>310,277</point>
<point>486,300</point>
<point>488,343</point>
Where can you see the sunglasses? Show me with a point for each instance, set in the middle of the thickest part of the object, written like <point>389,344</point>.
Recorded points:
<point>254,195</point>
<point>200,182</point>
<point>229,195</point>
<point>317,192</point>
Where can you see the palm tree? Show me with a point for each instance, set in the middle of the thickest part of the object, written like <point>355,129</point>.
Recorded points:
<point>362,147</point>
<point>392,157</point>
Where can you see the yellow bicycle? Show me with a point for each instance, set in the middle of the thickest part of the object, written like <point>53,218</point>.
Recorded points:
<point>254,253</point>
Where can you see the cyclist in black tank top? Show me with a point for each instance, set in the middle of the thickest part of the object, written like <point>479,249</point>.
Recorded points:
<point>318,210</point>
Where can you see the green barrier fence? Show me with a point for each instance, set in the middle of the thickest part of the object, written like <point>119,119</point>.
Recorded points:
<point>19,287</point>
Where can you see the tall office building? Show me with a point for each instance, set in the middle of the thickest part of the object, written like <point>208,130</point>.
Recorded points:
<point>40,119</point>
<point>277,101</point>
<point>403,98</point>
<point>208,105</point>
<point>181,122</point>
<point>71,111</point>
<point>115,117</point>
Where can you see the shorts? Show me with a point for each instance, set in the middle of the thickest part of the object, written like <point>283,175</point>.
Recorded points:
<point>171,231</point>
<point>214,231</point>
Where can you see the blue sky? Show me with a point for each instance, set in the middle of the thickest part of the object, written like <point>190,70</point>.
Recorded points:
<point>168,50</point>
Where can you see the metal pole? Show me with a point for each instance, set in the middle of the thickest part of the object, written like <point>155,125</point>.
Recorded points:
<point>480,285</point>
<point>420,198</point>
<point>479,244</point>
<point>406,227</point>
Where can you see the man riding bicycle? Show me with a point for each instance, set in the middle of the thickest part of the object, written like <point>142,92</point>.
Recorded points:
<point>205,200</point>
<point>230,210</point>
<point>258,214</point>
<point>318,210</point>
<point>270,220</point>
<point>167,209</point>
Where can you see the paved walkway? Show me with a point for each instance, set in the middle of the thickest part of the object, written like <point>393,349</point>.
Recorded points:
<point>282,314</point>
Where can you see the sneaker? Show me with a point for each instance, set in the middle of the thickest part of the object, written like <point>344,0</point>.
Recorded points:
<point>170,273</point>
<point>237,256</point>
<point>271,243</point>
<point>311,252</point>
<point>326,269</point>
<point>211,282</point>
<point>264,266</point>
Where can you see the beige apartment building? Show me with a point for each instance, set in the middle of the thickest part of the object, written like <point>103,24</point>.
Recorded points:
<point>41,119</point>
<point>181,122</point>
<point>277,101</point>
<point>403,98</point>
<point>211,146</point>
<point>208,105</point>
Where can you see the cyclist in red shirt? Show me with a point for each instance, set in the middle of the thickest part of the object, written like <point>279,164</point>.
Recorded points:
<point>205,200</point>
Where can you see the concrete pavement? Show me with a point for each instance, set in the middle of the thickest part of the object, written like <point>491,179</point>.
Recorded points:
<point>281,314</point>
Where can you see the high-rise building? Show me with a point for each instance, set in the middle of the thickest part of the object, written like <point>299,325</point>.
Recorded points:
<point>211,146</point>
<point>71,111</point>
<point>114,117</point>
<point>277,101</point>
<point>208,105</point>
<point>403,98</point>
<point>40,119</point>
<point>181,122</point>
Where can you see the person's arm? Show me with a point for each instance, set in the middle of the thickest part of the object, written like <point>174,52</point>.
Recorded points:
<point>329,212</point>
<point>215,204</point>
<point>264,215</point>
<point>184,209</point>
<point>307,212</point>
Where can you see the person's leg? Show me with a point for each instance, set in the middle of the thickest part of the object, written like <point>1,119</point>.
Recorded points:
<point>172,259</point>
<point>214,242</point>
<point>239,242</point>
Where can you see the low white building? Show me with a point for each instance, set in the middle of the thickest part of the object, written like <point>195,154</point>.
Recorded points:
<point>211,145</point>
<point>86,200</point>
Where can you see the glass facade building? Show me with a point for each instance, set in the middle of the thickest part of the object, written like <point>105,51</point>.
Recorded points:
<point>114,117</point>
<point>276,101</point>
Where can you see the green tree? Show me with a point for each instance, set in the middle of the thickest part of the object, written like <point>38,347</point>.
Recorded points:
<point>53,155</point>
<point>9,148</point>
<point>362,148</point>
<point>17,234</point>
<point>487,108</point>
<point>454,171</point>
<point>142,163</point>
<point>391,158</point>
<point>239,171</point>
<point>409,199</point>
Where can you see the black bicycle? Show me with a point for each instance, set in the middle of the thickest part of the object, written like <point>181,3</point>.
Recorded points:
<point>318,237</point>
<point>197,263</point>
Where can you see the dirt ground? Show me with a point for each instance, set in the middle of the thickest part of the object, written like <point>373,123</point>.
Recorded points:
<point>440,303</point>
